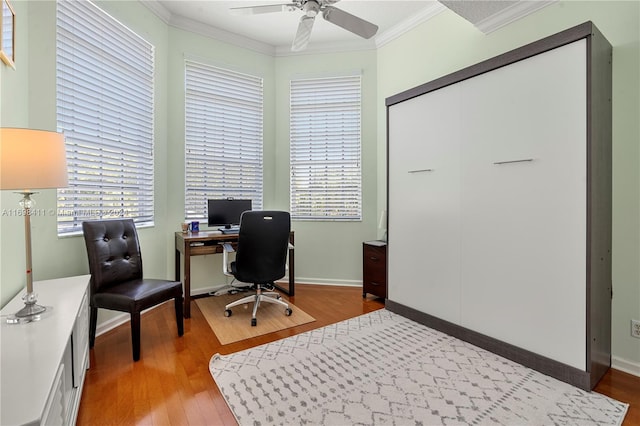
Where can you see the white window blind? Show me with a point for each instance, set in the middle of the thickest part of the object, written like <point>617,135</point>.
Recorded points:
<point>105,107</point>
<point>223,140</point>
<point>325,148</point>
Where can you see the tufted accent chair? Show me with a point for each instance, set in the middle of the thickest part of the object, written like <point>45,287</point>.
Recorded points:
<point>117,283</point>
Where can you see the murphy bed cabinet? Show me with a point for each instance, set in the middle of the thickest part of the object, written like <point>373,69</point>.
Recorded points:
<point>499,205</point>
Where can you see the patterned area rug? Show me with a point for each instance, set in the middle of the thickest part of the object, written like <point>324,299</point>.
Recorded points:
<point>382,368</point>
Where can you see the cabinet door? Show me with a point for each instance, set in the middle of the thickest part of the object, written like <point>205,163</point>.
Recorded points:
<point>424,204</point>
<point>524,201</point>
<point>80,338</point>
<point>54,411</point>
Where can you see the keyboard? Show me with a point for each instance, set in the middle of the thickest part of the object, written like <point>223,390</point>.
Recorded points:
<point>232,230</point>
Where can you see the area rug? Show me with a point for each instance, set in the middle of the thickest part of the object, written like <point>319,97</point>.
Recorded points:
<point>238,326</point>
<point>381,368</point>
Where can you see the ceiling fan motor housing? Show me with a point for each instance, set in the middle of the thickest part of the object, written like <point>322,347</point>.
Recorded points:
<point>311,8</point>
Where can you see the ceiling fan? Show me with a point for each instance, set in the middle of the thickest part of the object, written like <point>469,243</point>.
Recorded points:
<point>311,8</point>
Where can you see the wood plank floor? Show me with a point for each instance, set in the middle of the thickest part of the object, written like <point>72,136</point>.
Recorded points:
<point>171,384</point>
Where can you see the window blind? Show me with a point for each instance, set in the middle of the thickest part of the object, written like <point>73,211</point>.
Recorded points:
<point>105,105</point>
<point>325,148</point>
<point>223,137</point>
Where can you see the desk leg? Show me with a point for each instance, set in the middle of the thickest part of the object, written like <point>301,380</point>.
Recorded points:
<point>177,266</point>
<point>292,274</point>
<point>186,283</point>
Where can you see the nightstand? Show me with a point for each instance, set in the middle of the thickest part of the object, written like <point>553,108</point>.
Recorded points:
<point>374,268</point>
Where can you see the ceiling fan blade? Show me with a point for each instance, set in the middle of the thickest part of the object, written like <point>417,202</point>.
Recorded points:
<point>303,34</point>
<point>349,22</point>
<point>268,8</point>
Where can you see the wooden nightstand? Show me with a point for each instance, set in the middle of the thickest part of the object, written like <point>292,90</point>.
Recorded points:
<point>374,268</point>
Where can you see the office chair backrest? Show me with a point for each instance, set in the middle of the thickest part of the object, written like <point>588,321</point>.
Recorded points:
<point>113,251</point>
<point>263,242</point>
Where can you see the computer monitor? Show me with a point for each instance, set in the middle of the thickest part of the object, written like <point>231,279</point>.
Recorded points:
<point>226,212</point>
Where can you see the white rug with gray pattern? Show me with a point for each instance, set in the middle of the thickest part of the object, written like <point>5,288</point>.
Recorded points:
<point>383,369</point>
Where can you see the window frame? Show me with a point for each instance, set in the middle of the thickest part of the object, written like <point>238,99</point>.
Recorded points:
<point>105,106</point>
<point>237,135</point>
<point>326,113</point>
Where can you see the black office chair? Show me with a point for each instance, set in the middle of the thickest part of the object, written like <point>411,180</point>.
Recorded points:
<point>115,264</point>
<point>261,257</point>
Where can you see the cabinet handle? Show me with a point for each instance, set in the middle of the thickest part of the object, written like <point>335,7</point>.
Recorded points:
<point>524,160</point>
<point>420,170</point>
<point>374,283</point>
<point>373,258</point>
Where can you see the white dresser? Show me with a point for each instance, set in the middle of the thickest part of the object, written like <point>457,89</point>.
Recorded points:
<point>44,362</point>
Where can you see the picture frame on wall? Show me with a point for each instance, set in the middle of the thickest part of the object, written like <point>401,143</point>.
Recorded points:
<point>8,32</point>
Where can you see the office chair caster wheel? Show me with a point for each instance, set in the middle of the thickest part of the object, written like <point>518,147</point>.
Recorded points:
<point>288,312</point>
<point>227,312</point>
<point>254,322</point>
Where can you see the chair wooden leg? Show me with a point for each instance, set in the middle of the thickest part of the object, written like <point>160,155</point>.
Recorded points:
<point>179,302</point>
<point>93,322</point>
<point>135,335</point>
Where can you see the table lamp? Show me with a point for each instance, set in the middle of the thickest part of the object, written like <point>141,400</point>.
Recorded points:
<point>31,159</point>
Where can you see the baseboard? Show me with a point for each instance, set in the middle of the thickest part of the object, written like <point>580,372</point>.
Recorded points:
<point>119,319</point>
<point>324,281</point>
<point>625,365</point>
<point>114,322</point>
<point>550,367</point>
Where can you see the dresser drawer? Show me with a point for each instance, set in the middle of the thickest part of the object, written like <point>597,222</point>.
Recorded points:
<point>374,269</point>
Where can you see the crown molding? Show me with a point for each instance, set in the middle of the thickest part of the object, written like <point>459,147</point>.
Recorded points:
<point>408,24</point>
<point>196,27</point>
<point>248,43</point>
<point>221,35</point>
<point>335,47</point>
<point>511,14</point>
<point>158,9</point>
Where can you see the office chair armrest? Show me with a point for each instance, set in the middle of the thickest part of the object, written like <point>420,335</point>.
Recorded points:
<point>226,249</point>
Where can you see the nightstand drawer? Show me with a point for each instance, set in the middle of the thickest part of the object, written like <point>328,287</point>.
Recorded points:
<point>374,268</point>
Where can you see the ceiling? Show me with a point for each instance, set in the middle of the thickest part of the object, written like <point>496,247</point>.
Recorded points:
<point>274,32</point>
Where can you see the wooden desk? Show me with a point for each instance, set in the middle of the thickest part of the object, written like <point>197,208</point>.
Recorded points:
<point>208,242</point>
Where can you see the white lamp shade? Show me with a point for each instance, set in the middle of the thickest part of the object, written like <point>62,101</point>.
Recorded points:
<point>32,159</point>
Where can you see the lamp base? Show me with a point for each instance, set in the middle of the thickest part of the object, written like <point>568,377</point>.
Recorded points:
<point>30,310</point>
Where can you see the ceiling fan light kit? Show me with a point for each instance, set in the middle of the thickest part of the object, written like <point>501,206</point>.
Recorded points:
<point>311,8</point>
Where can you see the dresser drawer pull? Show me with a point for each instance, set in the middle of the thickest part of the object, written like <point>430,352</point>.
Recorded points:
<point>524,160</point>
<point>374,283</point>
<point>373,258</point>
<point>420,170</point>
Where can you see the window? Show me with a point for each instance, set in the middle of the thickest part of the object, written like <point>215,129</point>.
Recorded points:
<point>223,137</point>
<point>105,107</point>
<point>325,149</point>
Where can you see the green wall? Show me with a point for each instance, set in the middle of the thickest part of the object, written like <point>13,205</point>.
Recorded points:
<point>330,252</point>
<point>28,100</point>
<point>448,43</point>
<point>325,252</point>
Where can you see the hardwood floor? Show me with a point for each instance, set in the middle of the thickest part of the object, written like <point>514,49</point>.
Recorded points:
<point>171,384</point>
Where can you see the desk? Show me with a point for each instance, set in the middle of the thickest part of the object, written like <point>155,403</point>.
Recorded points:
<point>208,242</point>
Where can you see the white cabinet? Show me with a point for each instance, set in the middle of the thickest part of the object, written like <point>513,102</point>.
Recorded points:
<point>427,172</point>
<point>495,234</point>
<point>44,362</point>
